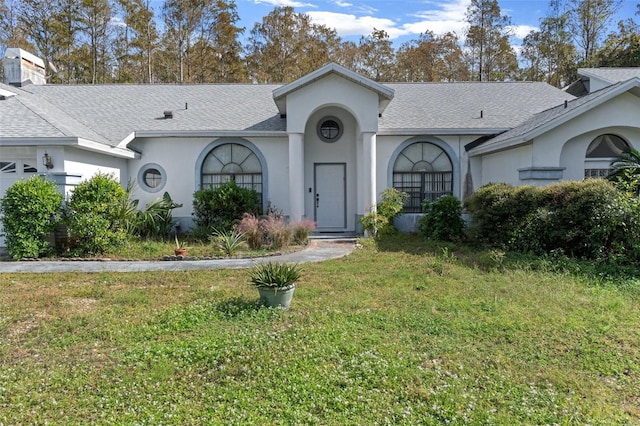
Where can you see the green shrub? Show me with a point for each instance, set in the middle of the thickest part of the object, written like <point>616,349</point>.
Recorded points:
<point>625,171</point>
<point>219,208</point>
<point>94,215</point>
<point>592,219</point>
<point>442,220</point>
<point>488,214</point>
<point>274,274</point>
<point>390,205</point>
<point>156,220</point>
<point>497,210</point>
<point>228,242</point>
<point>373,223</point>
<point>588,219</point>
<point>30,210</point>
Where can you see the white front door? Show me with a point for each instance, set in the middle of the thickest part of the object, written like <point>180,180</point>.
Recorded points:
<point>330,196</point>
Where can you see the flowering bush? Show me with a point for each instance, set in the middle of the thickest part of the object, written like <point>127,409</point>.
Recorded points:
<point>277,233</point>
<point>302,230</point>
<point>272,232</point>
<point>253,233</point>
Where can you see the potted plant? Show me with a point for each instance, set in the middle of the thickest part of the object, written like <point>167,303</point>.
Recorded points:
<point>275,282</point>
<point>181,249</point>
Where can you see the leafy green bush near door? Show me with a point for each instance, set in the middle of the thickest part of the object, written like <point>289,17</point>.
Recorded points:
<point>94,215</point>
<point>219,208</point>
<point>30,213</point>
<point>442,220</point>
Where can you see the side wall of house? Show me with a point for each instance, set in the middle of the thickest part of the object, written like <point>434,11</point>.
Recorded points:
<point>560,154</point>
<point>178,158</point>
<point>80,165</point>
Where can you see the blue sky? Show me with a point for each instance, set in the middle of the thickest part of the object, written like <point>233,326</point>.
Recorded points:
<point>405,20</point>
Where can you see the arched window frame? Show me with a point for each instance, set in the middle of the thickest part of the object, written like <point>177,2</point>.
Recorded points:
<point>415,203</point>
<point>199,184</point>
<point>594,164</point>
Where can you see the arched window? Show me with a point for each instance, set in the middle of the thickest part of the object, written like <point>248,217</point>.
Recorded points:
<point>425,172</point>
<point>232,162</point>
<point>601,151</point>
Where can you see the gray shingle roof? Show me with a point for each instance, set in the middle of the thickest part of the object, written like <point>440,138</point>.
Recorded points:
<point>115,111</point>
<point>458,105</point>
<point>18,121</point>
<point>110,113</point>
<point>29,116</point>
<point>612,75</point>
<point>558,114</point>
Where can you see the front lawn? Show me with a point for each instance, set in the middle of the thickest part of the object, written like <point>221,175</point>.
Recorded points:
<point>395,333</point>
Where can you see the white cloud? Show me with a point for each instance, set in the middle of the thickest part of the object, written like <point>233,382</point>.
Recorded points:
<point>443,18</point>
<point>116,21</point>
<point>350,25</point>
<point>284,3</point>
<point>438,16</point>
<point>521,31</point>
<point>341,3</point>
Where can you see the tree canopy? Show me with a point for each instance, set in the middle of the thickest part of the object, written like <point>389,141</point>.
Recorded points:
<point>201,41</point>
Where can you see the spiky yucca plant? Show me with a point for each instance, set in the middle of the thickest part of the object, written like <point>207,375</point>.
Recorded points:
<point>274,274</point>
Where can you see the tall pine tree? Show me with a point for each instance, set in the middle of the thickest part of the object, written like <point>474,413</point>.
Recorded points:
<point>490,57</point>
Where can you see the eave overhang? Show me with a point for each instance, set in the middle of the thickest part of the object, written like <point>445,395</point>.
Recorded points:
<point>631,85</point>
<point>80,143</point>
<point>207,134</point>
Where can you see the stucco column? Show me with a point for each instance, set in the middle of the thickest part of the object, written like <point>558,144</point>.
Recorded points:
<point>369,163</point>
<point>296,176</point>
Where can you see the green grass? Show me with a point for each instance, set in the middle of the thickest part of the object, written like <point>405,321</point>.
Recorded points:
<point>396,333</point>
<point>155,250</point>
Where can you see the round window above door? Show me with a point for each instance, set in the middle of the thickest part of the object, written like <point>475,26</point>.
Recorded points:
<point>329,129</point>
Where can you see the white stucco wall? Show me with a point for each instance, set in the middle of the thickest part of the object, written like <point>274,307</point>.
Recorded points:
<point>596,83</point>
<point>620,112</point>
<point>575,149</point>
<point>332,91</point>
<point>178,158</point>
<point>503,166</point>
<point>356,107</point>
<point>389,145</point>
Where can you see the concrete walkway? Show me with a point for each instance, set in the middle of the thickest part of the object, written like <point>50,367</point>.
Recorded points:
<point>316,251</point>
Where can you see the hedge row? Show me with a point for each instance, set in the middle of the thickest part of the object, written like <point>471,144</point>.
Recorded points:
<point>586,219</point>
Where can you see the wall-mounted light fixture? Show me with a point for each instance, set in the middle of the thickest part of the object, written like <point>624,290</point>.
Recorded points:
<point>46,161</point>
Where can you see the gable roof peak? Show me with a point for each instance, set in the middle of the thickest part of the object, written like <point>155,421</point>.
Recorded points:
<point>385,94</point>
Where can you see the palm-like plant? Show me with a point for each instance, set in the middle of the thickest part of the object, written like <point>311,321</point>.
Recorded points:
<point>156,220</point>
<point>625,171</point>
<point>227,241</point>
